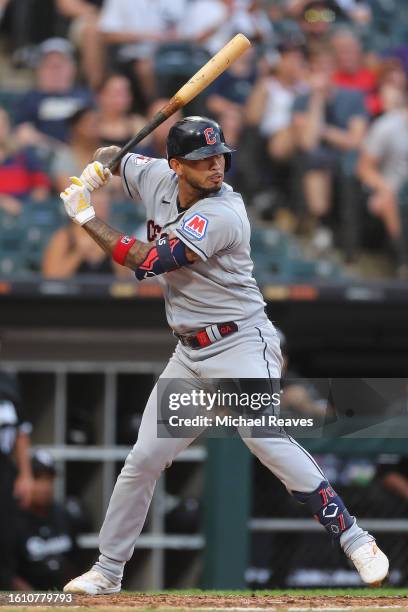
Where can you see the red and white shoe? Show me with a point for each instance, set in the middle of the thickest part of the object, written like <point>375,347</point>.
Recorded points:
<point>371,563</point>
<point>92,583</point>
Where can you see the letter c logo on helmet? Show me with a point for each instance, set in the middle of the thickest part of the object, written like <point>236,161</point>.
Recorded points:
<point>210,137</point>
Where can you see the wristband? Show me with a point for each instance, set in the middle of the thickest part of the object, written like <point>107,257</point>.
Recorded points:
<point>122,248</point>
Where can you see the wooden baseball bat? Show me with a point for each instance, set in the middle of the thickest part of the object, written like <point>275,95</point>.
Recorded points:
<point>206,75</point>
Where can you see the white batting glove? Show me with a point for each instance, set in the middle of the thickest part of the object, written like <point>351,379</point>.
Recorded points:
<point>77,202</point>
<point>95,176</point>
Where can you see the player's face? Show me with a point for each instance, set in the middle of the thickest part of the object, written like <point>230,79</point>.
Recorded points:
<point>205,175</point>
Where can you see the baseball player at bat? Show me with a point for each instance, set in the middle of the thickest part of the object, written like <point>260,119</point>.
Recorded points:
<point>198,247</point>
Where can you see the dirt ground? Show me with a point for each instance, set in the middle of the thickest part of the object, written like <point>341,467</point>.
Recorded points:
<point>234,602</point>
<point>215,602</point>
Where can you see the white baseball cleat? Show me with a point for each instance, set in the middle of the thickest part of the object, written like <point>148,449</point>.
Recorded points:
<point>371,563</point>
<point>92,583</point>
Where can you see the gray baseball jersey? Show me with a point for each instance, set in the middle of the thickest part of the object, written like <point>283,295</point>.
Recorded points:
<point>220,286</point>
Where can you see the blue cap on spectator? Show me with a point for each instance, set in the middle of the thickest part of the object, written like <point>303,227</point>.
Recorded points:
<point>56,45</point>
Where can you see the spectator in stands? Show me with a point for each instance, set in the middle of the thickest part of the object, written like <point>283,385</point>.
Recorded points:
<point>139,32</point>
<point>350,70</point>
<point>44,112</point>
<point>83,142</point>
<point>330,123</point>
<point>117,123</point>
<point>207,23</point>
<point>252,20</point>
<point>268,137</point>
<point>3,6</point>
<point>269,107</point>
<point>21,173</point>
<point>228,95</point>
<point>392,85</point>
<point>155,145</point>
<point>316,18</point>
<point>85,34</point>
<point>46,534</point>
<point>358,12</point>
<point>15,477</point>
<point>70,250</point>
<point>392,471</point>
<point>383,168</point>
<point>212,23</point>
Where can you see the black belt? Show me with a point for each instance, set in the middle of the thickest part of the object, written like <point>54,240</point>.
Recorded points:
<point>208,335</point>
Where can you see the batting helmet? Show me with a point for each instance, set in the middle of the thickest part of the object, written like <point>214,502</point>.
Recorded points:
<point>197,138</point>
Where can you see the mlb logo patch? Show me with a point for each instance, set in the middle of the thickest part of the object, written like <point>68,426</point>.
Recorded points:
<point>195,226</point>
<point>140,160</point>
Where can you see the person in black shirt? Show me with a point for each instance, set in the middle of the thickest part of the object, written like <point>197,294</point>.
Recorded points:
<point>15,473</point>
<point>46,533</point>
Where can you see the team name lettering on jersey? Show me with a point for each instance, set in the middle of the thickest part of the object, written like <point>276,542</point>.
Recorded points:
<point>195,226</point>
<point>153,230</point>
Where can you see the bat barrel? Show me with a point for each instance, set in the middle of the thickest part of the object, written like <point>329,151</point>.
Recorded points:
<point>206,75</point>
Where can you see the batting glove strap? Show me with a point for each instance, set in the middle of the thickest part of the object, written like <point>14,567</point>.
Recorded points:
<point>85,215</point>
<point>77,202</point>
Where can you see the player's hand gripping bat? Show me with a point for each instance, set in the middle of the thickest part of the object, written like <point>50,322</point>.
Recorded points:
<point>206,75</point>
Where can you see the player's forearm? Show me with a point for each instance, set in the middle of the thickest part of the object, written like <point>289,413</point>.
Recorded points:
<point>22,455</point>
<point>310,135</point>
<point>61,266</point>
<point>369,174</point>
<point>75,8</point>
<point>107,238</point>
<point>255,106</point>
<point>347,140</point>
<point>124,38</point>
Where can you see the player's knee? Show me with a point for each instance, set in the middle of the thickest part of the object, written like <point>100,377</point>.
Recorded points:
<point>138,462</point>
<point>327,507</point>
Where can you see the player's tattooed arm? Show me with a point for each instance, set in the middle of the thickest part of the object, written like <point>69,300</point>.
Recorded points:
<point>107,238</point>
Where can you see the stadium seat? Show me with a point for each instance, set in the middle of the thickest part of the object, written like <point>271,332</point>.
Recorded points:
<point>176,62</point>
<point>179,59</point>
<point>9,100</point>
<point>126,215</point>
<point>39,221</point>
<point>279,256</point>
<point>11,239</point>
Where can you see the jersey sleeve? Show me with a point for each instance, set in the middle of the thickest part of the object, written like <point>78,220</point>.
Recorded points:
<point>141,174</point>
<point>210,229</point>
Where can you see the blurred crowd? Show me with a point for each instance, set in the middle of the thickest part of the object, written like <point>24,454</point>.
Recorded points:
<point>317,110</point>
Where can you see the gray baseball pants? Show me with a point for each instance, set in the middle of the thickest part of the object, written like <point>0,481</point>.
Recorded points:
<point>252,352</point>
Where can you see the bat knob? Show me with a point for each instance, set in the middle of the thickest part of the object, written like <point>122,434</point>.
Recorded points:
<point>105,155</point>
